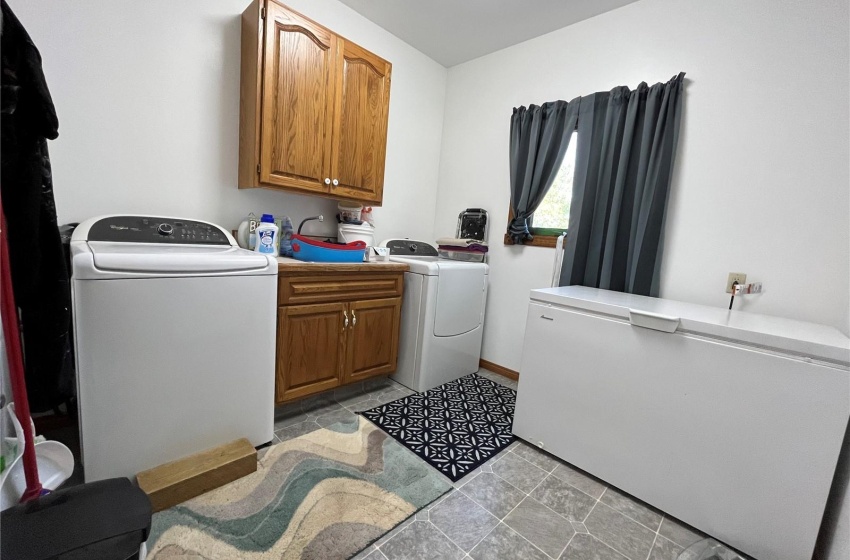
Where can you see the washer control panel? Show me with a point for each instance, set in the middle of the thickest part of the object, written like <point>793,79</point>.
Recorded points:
<point>150,229</point>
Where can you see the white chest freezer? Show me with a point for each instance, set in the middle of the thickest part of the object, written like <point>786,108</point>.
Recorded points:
<point>730,421</point>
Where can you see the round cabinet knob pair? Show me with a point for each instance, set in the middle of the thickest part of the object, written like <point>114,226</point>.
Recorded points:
<point>328,181</point>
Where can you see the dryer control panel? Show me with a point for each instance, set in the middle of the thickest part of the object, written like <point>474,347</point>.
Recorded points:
<point>150,229</point>
<point>410,247</point>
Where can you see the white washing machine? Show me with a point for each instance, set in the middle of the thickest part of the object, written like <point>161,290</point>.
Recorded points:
<point>174,327</point>
<point>442,315</point>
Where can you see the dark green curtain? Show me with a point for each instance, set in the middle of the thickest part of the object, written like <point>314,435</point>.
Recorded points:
<point>539,139</point>
<point>624,163</point>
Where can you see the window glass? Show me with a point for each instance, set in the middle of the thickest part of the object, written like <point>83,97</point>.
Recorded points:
<point>554,212</point>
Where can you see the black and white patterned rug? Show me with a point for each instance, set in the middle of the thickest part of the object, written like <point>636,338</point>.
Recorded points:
<point>454,427</point>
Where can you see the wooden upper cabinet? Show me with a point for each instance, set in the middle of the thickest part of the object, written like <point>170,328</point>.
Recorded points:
<point>313,108</point>
<point>362,99</point>
<point>298,90</point>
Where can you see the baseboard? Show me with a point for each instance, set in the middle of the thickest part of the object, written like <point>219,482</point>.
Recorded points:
<point>501,370</point>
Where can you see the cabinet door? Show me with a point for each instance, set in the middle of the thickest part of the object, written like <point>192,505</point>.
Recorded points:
<point>372,345</point>
<point>360,129</point>
<point>310,349</point>
<point>299,65</point>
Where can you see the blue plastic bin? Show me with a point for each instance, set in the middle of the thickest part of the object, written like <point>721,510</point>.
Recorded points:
<point>306,249</point>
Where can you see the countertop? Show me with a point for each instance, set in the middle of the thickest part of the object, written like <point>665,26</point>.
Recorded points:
<point>286,264</point>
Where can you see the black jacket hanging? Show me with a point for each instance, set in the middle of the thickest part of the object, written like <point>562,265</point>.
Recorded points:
<point>39,275</point>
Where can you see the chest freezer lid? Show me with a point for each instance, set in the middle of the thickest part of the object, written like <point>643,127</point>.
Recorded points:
<point>766,331</point>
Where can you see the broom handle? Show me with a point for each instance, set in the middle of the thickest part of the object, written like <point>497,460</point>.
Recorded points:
<point>16,365</point>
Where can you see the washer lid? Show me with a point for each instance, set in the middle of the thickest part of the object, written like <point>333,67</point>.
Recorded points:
<point>170,259</point>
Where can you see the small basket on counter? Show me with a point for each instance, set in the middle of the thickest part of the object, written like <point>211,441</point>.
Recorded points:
<point>306,249</point>
<point>349,212</point>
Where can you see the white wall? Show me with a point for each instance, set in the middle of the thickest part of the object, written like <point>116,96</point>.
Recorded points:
<point>148,100</point>
<point>762,173</point>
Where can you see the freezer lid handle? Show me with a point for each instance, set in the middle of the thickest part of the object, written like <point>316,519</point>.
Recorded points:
<point>654,321</point>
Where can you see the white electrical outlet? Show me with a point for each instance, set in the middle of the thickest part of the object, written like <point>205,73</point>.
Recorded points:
<point>740,277</point>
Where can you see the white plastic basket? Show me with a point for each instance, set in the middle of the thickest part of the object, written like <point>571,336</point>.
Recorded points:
<point>349,211</point>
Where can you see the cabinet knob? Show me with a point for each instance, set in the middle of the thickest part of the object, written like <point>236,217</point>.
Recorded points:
<point>345,323</point>
<point>353,319</point>
<point>335,182</point>
<point>327,180</point>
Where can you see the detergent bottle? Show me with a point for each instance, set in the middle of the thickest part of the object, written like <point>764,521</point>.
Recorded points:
<point>267,236</point>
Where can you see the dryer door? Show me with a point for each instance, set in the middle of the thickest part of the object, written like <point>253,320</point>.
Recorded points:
<point>460,298</point>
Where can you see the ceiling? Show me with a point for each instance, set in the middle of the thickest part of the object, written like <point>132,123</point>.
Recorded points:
<point>455,31</point>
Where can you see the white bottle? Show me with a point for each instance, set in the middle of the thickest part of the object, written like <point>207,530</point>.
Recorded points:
<point>267,235</point>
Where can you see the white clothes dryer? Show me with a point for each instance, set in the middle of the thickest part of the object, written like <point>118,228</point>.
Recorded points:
<point>442,315</point>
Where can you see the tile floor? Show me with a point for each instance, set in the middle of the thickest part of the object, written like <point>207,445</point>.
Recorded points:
<point>522,504</point>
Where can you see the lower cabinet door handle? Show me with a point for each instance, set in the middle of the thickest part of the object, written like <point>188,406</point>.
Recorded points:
<point>345,323</point>
<point>353,319</point>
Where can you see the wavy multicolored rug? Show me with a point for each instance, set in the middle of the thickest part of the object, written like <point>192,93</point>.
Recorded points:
<point>325,495</point>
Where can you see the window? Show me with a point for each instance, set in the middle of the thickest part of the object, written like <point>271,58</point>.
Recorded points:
<point>553,215</point>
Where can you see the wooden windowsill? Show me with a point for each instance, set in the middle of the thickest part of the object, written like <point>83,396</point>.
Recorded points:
<point>538,241</point>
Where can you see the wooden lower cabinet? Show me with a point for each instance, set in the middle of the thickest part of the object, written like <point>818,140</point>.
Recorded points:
<point>324,345</point>
<point>310,349</point>
<point>372,345</point>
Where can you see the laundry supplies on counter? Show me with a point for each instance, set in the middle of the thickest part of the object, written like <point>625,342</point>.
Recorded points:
<point>246,234</point>
<point>349,212</point>
<point>267,236</point>
<point>348,233</point>
<point>285,228</point>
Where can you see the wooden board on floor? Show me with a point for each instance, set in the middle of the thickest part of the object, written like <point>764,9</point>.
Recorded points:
<point>173,483</point>
<point>501,370</point>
